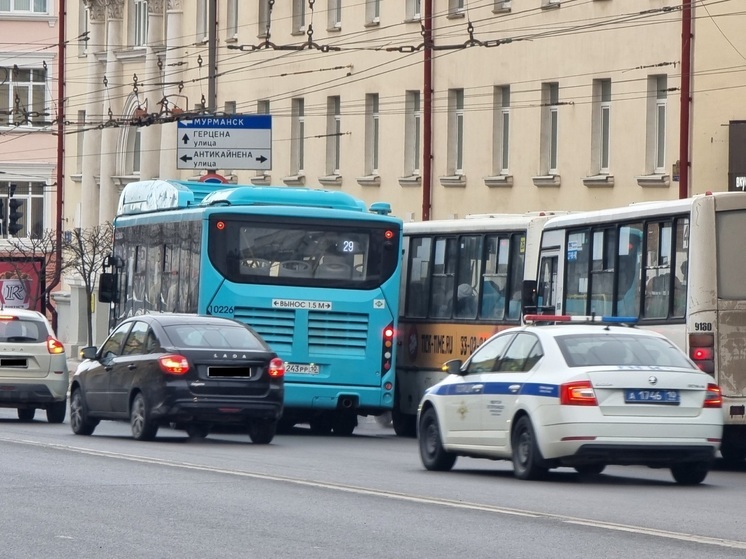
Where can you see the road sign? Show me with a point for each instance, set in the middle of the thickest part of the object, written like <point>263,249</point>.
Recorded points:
<point>228,142</point>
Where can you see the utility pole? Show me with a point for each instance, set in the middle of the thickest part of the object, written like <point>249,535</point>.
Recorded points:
<point>427,131</point>
<point>212,55</point>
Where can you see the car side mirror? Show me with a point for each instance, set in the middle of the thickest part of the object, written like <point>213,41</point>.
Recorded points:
<point>89,352</point>
<point>452,367</point>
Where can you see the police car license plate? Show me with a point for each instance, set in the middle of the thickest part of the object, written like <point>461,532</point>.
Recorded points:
<point>643,396</point>
<point>302,368</point>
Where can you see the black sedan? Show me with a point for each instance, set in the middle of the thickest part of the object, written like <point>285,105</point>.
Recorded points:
<point>192,372</point>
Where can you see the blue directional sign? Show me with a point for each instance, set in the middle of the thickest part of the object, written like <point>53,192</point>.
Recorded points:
<point>225,142</point>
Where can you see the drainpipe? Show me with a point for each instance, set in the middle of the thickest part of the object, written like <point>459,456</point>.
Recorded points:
<point>686,99</point>
<point>427,130</point>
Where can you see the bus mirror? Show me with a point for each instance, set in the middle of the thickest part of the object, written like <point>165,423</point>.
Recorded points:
<point>107,288</point>
<point>528,296</point>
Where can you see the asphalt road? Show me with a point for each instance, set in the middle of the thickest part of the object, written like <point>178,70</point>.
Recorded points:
<point>108,496</point>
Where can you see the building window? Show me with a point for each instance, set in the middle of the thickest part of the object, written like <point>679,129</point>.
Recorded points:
<point>371,133</point>
<point>262,107</point>
<point>299,16</point>
<point>601,126</point>
<point>298,131</point>
<point>23,95</point>
<point>501,130</point>
<point>134,143</point>
<point>372,11</point>
<point>550,3</point>
<point>334,14</point>
<point>501,6</point>
<point>140,23</point>
<point>263,18</point>
<point>455,131</point>
<point>333,135</point>
<point>24,6</point>
<point>231,17</point>
<point>455,6</point>
<point>79,142</point>
<point>31,208</point>
<point>230,107</point>
<point>202,16</point>
<point>414,9</point>
<point>656,125</point>
<point>412,133</point>
<point>83,29</point>
<point>549,127</point>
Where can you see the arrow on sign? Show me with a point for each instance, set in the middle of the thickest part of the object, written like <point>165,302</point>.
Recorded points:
<point>185,139</point>
<point>261,159</point>
<point>185,158</point>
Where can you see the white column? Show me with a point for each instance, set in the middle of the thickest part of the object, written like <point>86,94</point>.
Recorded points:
<point>92,136</point>
<point>112,100</point>
<point>174,39</point>
<point>151,135</point>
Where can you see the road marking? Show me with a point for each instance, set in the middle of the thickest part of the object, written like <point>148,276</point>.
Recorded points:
<point>693,538</point>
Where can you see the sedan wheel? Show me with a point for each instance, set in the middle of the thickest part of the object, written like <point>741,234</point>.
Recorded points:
<point>143,426</point>
<point>197,431</point>
<point>262,431</point>
<point>434,456</point>
<point>79,421</point>
<point>590,469</point>
<point>26,414</point>
<point>56,412</point>
<point>690,473</point>
<point>527,458</point>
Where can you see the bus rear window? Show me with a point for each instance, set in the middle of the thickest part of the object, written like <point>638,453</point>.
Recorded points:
<point>354,255</point>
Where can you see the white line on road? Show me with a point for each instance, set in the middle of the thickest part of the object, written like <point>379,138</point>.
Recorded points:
<point>733,544</point>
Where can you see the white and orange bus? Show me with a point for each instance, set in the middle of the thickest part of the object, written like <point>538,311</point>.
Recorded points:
<point>461,283</point>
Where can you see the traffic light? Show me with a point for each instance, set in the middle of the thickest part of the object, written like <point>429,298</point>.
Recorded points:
<point>14,216</point>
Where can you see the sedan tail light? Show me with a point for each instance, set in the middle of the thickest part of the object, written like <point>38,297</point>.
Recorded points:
<point>54,346</point>
<point>174,364</point>
<point>578,393</point>
<point>277,368</point>
<point>713,397</point>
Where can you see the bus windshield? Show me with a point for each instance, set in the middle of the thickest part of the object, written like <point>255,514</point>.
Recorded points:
<point>350,254</point>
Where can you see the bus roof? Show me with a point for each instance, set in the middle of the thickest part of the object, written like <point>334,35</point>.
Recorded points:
<point>156,195</point>
<point>480,222</point>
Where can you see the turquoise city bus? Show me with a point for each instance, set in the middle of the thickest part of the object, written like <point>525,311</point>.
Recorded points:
<point>315,272</point>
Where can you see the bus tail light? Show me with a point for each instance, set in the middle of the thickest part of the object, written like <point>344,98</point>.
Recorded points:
<point>174,364</point>
<point>276,368</point>
<point>578,393</point>
<point>713,397</point>
<point>702,351</point>
<point>387,352</point>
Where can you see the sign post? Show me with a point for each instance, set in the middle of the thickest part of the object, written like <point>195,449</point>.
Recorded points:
<point>228,142</point>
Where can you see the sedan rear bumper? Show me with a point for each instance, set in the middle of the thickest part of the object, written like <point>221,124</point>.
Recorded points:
<point>218,411</point>
<point>644,455</point>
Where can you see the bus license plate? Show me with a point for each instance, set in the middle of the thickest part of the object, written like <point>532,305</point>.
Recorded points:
<point>302,368</point>
<point>644,396</point>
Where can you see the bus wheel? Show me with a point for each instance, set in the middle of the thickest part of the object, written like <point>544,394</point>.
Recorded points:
<point>320,424</point>
<point>344,423</point>
<point>405,424</point>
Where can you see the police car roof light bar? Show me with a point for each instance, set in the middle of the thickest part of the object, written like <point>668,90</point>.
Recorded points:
<point>533,318</point>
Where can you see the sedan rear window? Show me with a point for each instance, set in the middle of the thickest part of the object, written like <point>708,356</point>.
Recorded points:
<point>22,331</point>
<point>589,350</point>
<point>213,336</point>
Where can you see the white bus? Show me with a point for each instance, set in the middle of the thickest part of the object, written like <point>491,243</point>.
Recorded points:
<point>461,283</point>
<point>679,267</point>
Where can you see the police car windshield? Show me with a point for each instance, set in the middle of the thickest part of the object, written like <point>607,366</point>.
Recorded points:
<point>591,350</point>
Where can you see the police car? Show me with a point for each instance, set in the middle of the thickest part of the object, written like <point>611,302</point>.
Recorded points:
<point>582,392</point>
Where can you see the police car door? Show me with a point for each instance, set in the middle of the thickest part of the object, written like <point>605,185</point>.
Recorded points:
<point>463,409</point>
<point>505,386</point>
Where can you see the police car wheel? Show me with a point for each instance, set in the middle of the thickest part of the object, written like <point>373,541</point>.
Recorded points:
<point>527,459</point>
<point>434,456</point>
